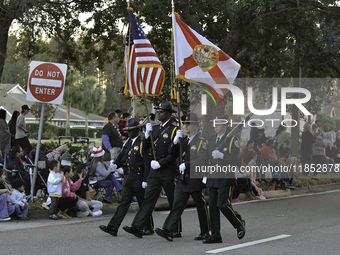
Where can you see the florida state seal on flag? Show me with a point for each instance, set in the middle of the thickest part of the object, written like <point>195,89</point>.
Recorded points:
<point>199,60</point>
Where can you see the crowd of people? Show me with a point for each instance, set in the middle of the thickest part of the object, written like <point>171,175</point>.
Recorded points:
<point>140,160</point>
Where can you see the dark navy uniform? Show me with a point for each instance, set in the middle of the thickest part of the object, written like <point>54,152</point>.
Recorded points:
<point>220,189</point>
<point>162,177</point>
<point>136,164</point>
<point>194,153</point>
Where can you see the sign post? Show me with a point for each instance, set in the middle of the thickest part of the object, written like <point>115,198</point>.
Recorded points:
<point>46,83</point>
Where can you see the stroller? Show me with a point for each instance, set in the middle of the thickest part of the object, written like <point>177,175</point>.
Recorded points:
<point>42,170</point>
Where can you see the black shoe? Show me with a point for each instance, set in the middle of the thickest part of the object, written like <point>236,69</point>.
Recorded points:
<point>107,202</point>
<point>241,230</point>
<point>177,235</point>
<point>202,236</point>
<point>134,231</point>
<point>164,233</point>
<point>147,232</point>
<point>107,229</point>
<point>211,239</point>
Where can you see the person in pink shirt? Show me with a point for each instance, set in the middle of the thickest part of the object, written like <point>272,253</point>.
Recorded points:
<point>68,198</point>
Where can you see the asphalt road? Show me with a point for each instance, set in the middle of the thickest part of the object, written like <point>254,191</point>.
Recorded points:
<point>308,224</point>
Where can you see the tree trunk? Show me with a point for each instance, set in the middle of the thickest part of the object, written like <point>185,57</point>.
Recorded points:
<point>4,28</point>
<point>86,125</point>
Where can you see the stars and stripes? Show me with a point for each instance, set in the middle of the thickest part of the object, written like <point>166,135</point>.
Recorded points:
<point>139,54</point>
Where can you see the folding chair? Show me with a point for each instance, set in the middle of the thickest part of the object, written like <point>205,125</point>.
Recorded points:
<point>97,190</point>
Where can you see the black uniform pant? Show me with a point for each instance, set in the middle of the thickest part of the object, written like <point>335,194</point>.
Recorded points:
<point>180,202</point>
<point>127,194</point>
<point>153,190</point>
<point>220,200</point>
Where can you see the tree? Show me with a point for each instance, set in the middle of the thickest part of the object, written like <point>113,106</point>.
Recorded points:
<point>90,98</point>
<point>56,18</point>
<point>70,95</point>
<point>48,116</point>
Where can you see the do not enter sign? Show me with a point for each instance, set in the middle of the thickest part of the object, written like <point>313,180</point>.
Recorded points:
<point>46,82</point>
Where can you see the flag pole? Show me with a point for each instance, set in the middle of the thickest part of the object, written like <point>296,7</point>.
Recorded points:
<point>178,103</point>
<point>147,114</point>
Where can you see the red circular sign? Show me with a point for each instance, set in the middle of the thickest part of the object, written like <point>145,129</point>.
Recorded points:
<point>46,82</point>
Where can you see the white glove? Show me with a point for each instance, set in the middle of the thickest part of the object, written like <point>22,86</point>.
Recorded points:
<point>181,168</point>
<point>144,185</point>
<point>155,165</point>
<point>179,134</point>
<point>113,167</point>
<point>148,129</point>
<point>204,180</point>
<point>217,154</point>
<point>120,170</point>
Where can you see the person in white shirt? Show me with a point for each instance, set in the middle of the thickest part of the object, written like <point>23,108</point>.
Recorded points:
<point>21,131</point>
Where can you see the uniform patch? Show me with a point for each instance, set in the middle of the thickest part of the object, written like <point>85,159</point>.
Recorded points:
<point>193,147</point>
<point>237,144</point>
<point>165,136</point>
<point>204,145</point>
<point>225,149</point>
<point>136,148</point>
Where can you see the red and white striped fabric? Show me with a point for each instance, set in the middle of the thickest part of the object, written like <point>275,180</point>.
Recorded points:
<point>139,53</point>
<point>197,59</point>
<point>97,152</point>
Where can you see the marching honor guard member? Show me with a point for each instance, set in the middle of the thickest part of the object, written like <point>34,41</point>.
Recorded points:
<point>224,151</point>
<point>136,164</point>
<point>163,168</point>
<point>195,153</point>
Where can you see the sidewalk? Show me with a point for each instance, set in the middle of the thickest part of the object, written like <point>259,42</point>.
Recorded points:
<point>162,203</point>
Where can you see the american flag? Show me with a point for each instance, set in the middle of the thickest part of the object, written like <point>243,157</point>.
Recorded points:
<point>139,53</point>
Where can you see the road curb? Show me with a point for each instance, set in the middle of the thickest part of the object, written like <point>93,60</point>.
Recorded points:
<point>162,203</point>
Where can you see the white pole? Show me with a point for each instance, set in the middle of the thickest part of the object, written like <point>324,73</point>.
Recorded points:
<point>37,150</point>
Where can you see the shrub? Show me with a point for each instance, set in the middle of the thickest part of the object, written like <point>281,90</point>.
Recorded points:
<point>53,132</point>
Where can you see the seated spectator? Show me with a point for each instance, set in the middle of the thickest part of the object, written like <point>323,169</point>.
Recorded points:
<point>17,164</point>
<point>244,186</point>
<point>68,198</point>
<point>6,207</point>
<point>282,178</point>
<point>267,152</point>
<point>85,206</point>
<point>103,174</point>
<point>18,199</point>
<point>290,160</point>
<point>329,136</point>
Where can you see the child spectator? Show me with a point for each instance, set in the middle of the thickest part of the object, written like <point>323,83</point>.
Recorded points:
<point>18,199</point>
<point>69,197</point>
<point>85,206</point>
<point>54,186</point>
<point>6,208</point>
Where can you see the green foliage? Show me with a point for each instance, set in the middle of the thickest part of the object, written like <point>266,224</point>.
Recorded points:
<point>53,132</point>
<point>326,119</point>
<point>50,111</point>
